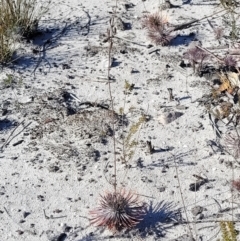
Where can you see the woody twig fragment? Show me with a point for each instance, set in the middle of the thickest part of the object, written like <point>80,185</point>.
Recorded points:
<point>150,147</point>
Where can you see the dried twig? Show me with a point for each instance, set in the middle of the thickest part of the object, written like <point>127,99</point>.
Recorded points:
<point>181,193</point>
<point>111,34</point>
<point>206,50</point>
<point>150,147</point>
<point>28,231</point>
<point>9,140</point>
<point>51,216</point>
<point>47,45</point>
<point>189,24</point>
<point>170,90</point>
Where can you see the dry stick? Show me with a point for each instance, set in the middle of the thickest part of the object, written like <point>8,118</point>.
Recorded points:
<point>189,24</point>
<point>130,41</point>
<point>8,141</point>
<point>111,34</point>
<point>206,50</point>
<point>10,7</point>
<point>46,46</point>
<point>195,201</point>
<point>209,221</point>
<point>51,216</point>
<point>220,208</point>
<point>105,176</point>
<point>181,194</point>
<point>11,134</point>
<point>123,142</point>
<point>45,215</point>
<point>89,21</point>
<point>170,90</point>
<point>215,235</point>
<point>232,189</point>
<point>150,147</point>
<point>206,221</point>
<point>233,173</point>
<point>19,225</point>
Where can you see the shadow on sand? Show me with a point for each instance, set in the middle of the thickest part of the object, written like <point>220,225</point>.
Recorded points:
<point>160,217</point>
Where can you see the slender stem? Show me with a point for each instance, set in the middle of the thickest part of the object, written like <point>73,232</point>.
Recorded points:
<point>111,35</point>
<point>189,24</point>
<point>112,109</point>
<point>206,50</point>
<point>181,194</point>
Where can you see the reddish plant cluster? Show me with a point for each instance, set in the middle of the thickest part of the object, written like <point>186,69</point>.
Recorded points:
<point>230,61</point>
<point>196,56</point>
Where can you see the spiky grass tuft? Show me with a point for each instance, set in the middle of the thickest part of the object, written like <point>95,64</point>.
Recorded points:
<point>157,29</point>
<point>22,15</point>
<point>118,210</point>
<point>18,18</point>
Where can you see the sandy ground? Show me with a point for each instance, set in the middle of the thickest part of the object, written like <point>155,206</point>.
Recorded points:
<point>57,154</point>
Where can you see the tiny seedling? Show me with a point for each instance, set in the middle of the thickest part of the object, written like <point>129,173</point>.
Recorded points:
<point>11,81</point>
<point>8,81</point>
<point>130,143</point>
<point>128,87</point>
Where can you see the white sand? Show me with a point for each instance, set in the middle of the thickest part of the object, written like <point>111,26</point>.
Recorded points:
<point>59,165</point>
